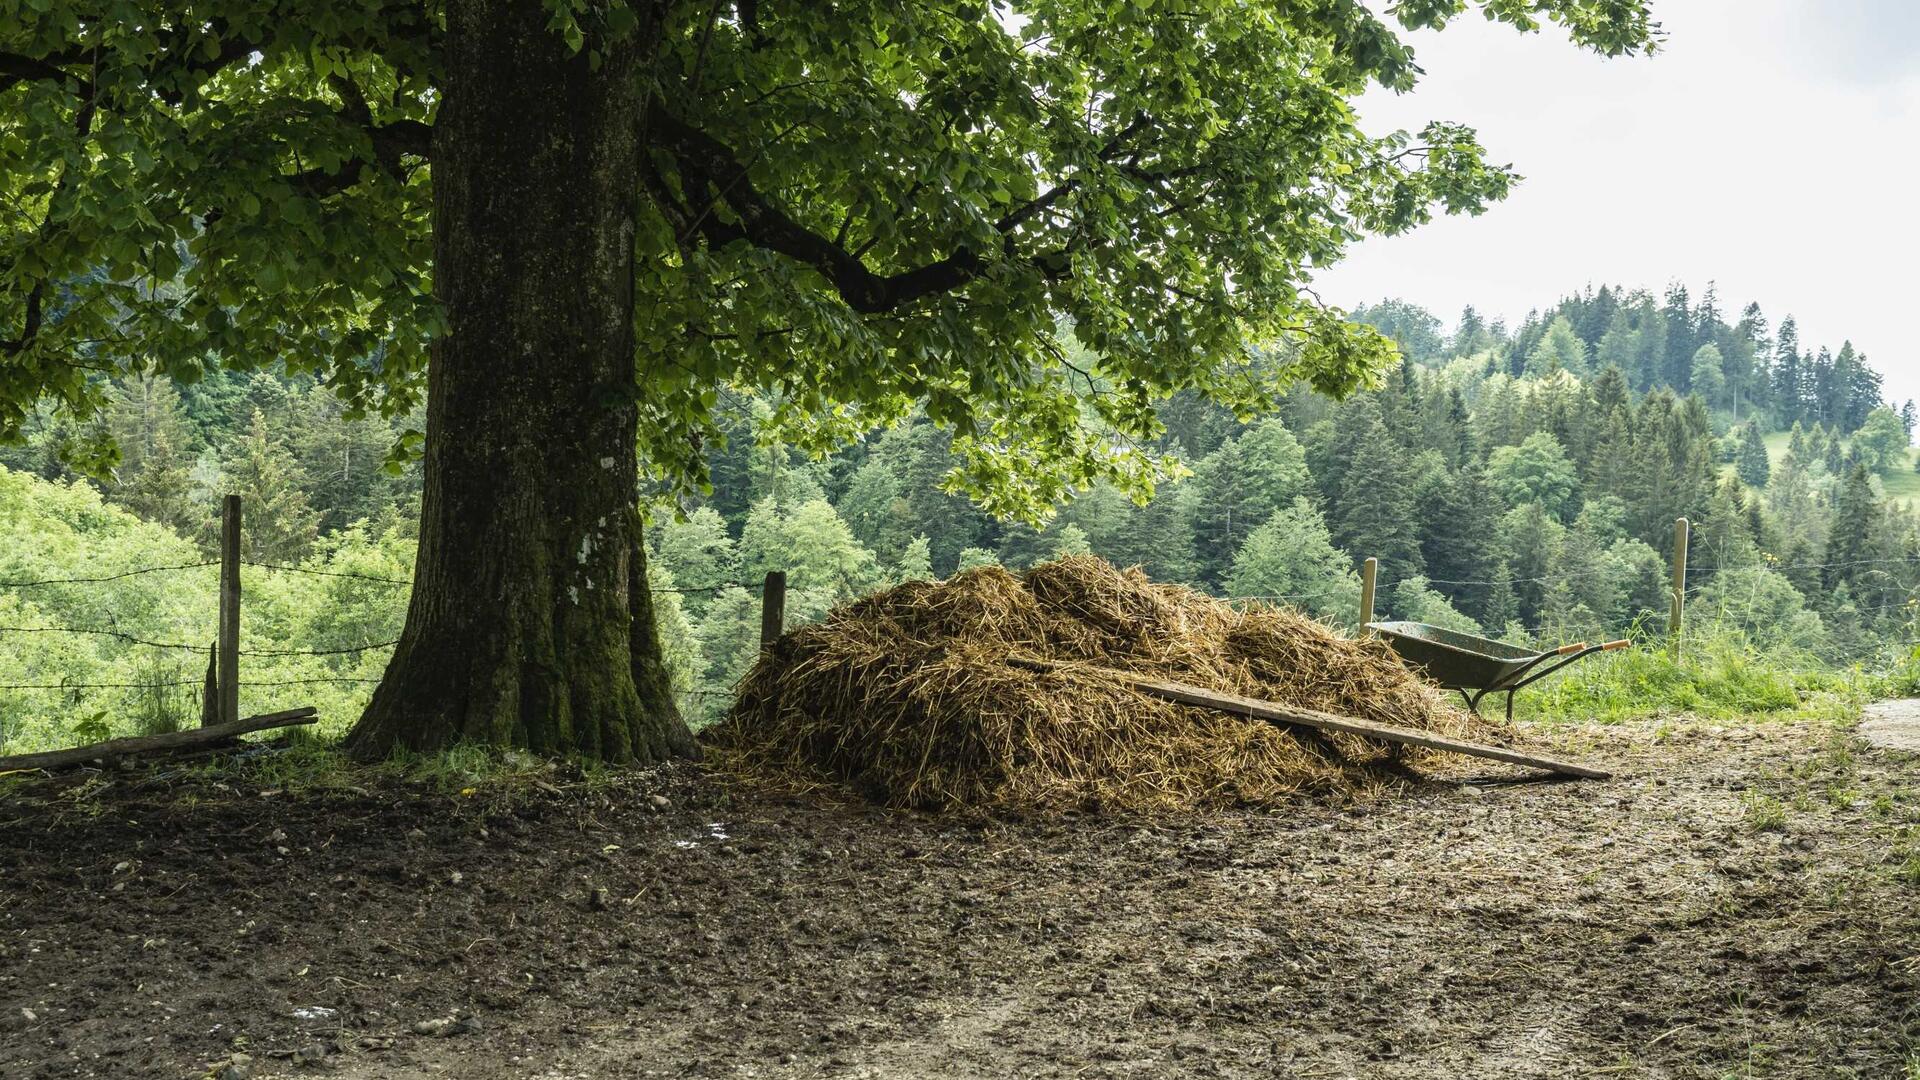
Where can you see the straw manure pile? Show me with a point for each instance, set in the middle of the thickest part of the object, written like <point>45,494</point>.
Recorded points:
<point>915,697</point>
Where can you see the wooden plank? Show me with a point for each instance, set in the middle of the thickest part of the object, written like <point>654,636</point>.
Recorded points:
<point>1289,714</point>
<point>229,710</point>
<point>152,744</point>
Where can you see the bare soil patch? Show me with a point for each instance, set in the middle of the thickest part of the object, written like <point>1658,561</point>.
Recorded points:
<point>1739,902</point>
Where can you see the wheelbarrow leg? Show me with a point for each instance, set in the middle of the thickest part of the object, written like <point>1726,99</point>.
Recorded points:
<point>1509,708</point>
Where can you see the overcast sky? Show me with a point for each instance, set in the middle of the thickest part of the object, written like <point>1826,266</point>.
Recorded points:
<point>1772,146</point>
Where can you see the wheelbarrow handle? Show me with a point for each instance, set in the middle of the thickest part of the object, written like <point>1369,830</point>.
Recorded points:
<point>1568,650</point>
<point>1623,643</point>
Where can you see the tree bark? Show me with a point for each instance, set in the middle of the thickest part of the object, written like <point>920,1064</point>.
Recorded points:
<point>530,623</point>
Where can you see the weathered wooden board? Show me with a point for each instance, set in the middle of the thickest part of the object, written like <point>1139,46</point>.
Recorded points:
<point>154,744</point>
<point>1276,713</point>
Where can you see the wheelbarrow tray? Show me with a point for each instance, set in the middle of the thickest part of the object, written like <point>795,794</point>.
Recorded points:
<point>1477,666</point>
<point>1455,660</point>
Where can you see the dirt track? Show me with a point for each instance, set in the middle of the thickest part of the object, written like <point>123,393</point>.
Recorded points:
<point>1737,903</point>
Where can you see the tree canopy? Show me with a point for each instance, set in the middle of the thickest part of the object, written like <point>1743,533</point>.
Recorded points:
<point>851,208</point>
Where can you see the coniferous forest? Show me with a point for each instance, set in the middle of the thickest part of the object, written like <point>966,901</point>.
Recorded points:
<point>1517,481</point>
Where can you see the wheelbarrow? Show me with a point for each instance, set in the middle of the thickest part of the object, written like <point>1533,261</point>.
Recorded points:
<point>1477,666</point>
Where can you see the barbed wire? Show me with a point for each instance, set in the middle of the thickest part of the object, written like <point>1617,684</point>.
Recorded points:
<point>104,577</point>
<point>156,684</point>
<point>290,569</point>
<point>101,633</point>
<point>101,686</point>
<point>314,572</point>
<point>136,640</point>
<point>321,652</point>
<point>721,587</point>
<point>309,679</point>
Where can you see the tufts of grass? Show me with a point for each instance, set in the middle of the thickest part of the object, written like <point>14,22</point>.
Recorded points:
<point>1718,678</point>
<point>303,765</point>
<point>1764,813</point>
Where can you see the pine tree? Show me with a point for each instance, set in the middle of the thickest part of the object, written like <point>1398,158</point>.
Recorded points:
<point>1240,485</point>
<point>1502,607</point>
<point>1373,512</point>
<point>1456,541</point>
<point>915,563</point>
<point>280,526</point>
<point>1610,392</point>
<point>1560,349</point>
<point>1855,511</point>
<point>1158,537</point>
<point>1750,460</point>
<point>1681,338</point>
<point>873,507</point>
<point>1101,514</point>
<point>1471,335</point>
<point>1787,382</point>
<point>1834,460</point>
<point>1725,534</point>
<point>973,557</point>
<point>1618,343</point>
<point>1530,537</point>
<point>1650,354</point>
<point>1069,539</point>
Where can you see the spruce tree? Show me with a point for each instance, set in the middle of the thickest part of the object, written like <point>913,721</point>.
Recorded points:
<point>1502,607</point>
<point>1457,537</point>
<point>1750,460</point>
<point>915,562</point>
<point>280,524</point>
<point>1158,537</point>
<point>1855,512</point>
<point>1681,339</point>
<point>1373,513</point>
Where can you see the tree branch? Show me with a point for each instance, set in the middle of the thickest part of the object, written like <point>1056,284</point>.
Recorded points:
<point>36,297</point>
<point>15,68</point>
<point>390,142</point>
<point>706,161</point>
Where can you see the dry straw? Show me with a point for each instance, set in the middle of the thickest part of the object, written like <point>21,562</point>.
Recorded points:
<point>917,697</point>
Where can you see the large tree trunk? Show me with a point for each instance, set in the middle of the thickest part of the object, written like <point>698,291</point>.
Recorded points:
<point>530,623</point>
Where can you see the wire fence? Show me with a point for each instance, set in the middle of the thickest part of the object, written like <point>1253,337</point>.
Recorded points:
<point>226,674</point>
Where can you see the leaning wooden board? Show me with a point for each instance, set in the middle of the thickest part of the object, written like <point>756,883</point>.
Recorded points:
<point>154,744</point>
<point>1289,714</point>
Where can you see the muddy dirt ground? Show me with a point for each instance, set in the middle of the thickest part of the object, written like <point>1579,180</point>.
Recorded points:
<point>1737,902</point>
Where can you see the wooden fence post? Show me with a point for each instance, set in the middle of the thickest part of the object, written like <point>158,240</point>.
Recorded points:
<point>1369,574</point>
<point>1677,614</point>
<point>773,607</point>
<point>230,609</point>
